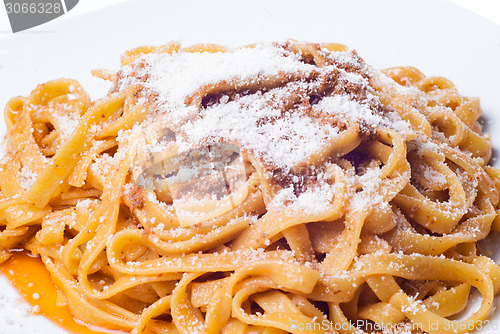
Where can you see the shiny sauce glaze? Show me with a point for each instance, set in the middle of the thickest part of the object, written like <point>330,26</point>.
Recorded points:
<point>32,280</point>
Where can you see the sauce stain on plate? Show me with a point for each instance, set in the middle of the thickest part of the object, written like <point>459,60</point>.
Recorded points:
<point>32,280</point>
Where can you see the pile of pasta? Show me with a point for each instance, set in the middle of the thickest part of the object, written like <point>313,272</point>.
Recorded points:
<point>399,253</point>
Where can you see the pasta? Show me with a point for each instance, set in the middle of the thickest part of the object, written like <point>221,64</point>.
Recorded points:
<point>282,187</point>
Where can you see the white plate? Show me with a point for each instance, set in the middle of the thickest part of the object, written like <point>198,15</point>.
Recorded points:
<point>435,36</point>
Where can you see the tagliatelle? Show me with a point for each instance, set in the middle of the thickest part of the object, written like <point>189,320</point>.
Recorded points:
<point>286,187</point>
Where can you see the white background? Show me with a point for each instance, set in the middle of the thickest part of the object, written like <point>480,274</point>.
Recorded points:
<point>489,9</point>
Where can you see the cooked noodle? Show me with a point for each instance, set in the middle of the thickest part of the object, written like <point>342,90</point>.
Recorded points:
<point>284,187</point>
